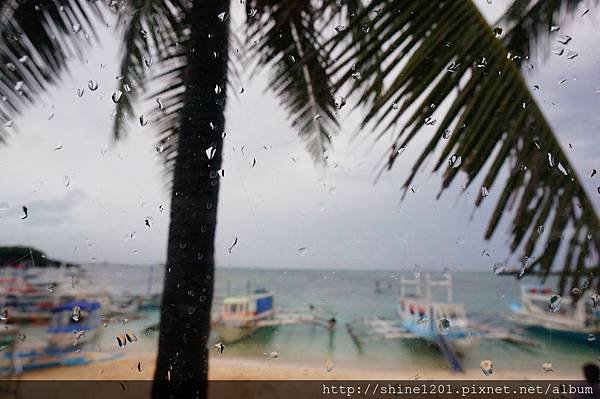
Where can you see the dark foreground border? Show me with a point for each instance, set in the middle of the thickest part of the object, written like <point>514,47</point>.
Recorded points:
<point>322,389</point>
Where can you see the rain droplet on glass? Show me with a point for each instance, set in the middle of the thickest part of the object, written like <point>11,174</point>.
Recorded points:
<point>116,96</point>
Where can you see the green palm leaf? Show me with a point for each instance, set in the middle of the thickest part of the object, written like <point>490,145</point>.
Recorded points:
<point>288,41</point>
<point>37,40</point>
<point>445,55</point>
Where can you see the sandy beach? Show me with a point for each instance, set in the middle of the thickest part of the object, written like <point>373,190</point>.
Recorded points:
<point>126,368</point>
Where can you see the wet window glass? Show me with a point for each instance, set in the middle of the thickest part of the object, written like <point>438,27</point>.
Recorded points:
<point>381,189</point>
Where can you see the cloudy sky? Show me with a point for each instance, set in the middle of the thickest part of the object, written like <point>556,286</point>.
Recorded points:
<point>88,197</point>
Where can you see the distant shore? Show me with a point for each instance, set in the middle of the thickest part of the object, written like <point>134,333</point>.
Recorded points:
<point>274,369</point>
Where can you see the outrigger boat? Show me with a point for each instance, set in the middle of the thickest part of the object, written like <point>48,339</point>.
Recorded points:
<point>539,311</point>
<point>243,315</point>
<point>73,325</point>
<point>441,323</point>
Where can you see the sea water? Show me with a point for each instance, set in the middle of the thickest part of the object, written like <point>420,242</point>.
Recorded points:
<point>350,294</point>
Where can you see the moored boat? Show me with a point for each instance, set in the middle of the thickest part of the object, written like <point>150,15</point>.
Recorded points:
<point>542,310</point>
<point>74,324</point>
<point>242,315</point>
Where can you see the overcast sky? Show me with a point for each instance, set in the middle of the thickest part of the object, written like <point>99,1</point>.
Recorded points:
<point>89,199</point>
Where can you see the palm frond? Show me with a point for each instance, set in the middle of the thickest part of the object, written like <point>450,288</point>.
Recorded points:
<point>530,25</point>
<point>286,38</point>
<point>154,32</point>
<point>38,38</point>
<point>444,55</point>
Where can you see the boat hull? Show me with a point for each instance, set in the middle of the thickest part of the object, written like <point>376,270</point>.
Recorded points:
<point>231,334</point>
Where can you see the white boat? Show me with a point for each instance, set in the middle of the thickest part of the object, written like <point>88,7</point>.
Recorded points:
<point>242,315</point>
<point>542,309</point>
<point>438,321</point>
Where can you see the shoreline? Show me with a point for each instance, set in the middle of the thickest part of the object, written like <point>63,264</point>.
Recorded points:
<point>126,368</point>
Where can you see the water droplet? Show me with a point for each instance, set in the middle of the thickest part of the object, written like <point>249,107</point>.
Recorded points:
<point>551,160</point>
<point>116,96</point>
<point>66,181</point>
<point>591,337</point>
<point>11,67</point>
<point>219,346</point>
<point>9,123</point>
<point>222,16</point>
<point>453,67</point>
<point>444,325</point>
<point>340,102</point>
<point>562,169</point>
<point>429,121</point>
<point>127,88</point>
<point>121,341</point>
<point>131,337</point>
<point>446,134</point>
<point>23,59</point>
<point>547,367</point>
<point>554,28</point>
<point>217,89</point>
<point>272,355</point>
<point>19,85</point>
<point>148,61</point>
<point>160,106</point>
<point>92,85</point>
<point>564,39</point>
<point>76,27</point>
<point>329,365</point>
<point>210,152</point>
<point>80,92</point>
<point>554,303</point>
<point>21,336</point>
<point>558,51</point>
<point>497,31</point>
<point>143,120</point>
<point>455,161</point>
<point>76,314</point>
<point>417,271</point>
<point>25,213</point>
<point>139,367</point>
<point>484,191</point>
<point>571,54</point>
<point>232,245</point>
<point>487,367</point>
<point>594,300</point>
<point>499,267</point>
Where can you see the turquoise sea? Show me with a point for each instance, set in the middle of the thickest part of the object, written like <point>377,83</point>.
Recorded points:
<point>351,294</point>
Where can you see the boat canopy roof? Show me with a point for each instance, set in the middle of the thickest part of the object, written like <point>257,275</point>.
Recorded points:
<point>246,298</point>
<point>83,305</point>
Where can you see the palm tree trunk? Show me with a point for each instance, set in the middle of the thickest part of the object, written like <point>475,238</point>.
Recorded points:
<point>189,276</point>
